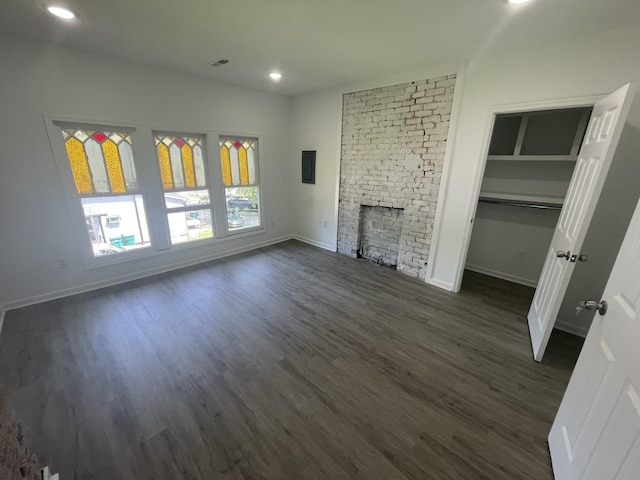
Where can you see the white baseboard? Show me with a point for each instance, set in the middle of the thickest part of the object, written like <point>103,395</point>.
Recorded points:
<point>571,328</point>
<point>440,284</point>
<point>504,276</point>
<point>315,243</point>
<point>135,276</point>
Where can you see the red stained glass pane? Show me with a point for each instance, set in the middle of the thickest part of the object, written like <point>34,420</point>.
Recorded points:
<point>99,137</point>
<point>179,142</point>
<point>237,144</point>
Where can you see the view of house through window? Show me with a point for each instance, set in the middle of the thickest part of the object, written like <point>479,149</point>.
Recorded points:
<point>184,181</point>
<point>239,164</point>
<point>104,175</point>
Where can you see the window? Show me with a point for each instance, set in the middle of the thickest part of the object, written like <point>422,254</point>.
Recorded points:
<point>135,192</point>
<point>239,164</point>
<point>104,174</point>
<point>186,189</point>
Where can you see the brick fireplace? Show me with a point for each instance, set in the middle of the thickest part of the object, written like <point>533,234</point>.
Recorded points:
<point>393,143</point>
<point>380,231</point>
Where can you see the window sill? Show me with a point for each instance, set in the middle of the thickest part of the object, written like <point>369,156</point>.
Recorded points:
<point>148,252</point>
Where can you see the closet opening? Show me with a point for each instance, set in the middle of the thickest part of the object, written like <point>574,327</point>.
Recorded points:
<point>530,163</point>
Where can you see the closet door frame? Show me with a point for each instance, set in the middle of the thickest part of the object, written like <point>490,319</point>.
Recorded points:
<point>572,102</point>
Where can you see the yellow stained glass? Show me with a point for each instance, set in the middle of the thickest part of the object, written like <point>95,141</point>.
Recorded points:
<point>187,165</point>
<point>165,166</point>
<point>244,168</point>
<point>114,169</point>
<point>226,165</point>
<point>79,166</point>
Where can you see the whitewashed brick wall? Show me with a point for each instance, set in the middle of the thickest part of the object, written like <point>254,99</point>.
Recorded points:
<point>393,143</point>
<point>380,230</point>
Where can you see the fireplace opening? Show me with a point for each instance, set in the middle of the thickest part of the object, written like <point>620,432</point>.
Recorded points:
<point>379,234</point>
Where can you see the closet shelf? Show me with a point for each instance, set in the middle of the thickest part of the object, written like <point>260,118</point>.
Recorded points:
<point>520,200</point>
<point>533,158</point>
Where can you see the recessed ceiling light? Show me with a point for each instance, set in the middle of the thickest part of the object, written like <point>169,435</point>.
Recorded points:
<point>275,76</point>
<point>61,12</point>
<point>515,2</point>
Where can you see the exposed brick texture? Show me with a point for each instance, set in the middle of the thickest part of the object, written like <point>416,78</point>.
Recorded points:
<point>380,230</point>
<point>17,462</point>
<point>393,143</point>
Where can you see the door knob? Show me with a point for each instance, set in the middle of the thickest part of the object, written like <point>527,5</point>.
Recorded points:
<point>561,254</point>
<point>592,305</point>
<point>583,258</point>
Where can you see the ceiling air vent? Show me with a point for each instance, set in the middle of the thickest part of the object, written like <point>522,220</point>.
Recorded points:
<point>219,62</point>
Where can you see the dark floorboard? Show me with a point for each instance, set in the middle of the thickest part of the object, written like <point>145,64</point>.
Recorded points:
<point>288,362</point>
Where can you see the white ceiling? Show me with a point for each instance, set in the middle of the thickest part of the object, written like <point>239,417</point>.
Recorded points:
<point>316,44</point>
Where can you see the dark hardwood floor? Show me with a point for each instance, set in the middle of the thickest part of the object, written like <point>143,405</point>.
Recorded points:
<point>289,362</point>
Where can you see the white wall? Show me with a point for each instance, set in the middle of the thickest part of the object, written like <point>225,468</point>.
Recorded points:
<point>511,242</point>
<point>35,223</point>
<point>590,65</point>
<point>53,81</point>
<point>587,66</point>
<point>317,125</point>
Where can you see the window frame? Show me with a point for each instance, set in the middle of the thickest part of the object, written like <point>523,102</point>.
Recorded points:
<point>74,199</point>
<point>258,173</point>
<point>150,187</point>
<point>206,157</point>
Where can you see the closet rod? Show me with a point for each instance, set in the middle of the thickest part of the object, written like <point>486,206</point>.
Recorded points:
<point>514,203</point>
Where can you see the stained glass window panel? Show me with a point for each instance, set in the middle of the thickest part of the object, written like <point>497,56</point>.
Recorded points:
<point>187,162</point>
<point>79,167</point>
<point>181,161</point>
<point>198,165</point>
<point>242,165</point>
<point>81,135</point>
<point>225,164</point>
<point>114,169</point>
<point>96,165</point>
<point>235,169</point>
<point>128,167</point>
<point>100,161</point>
<point>176,166</point>
<point>251,164</point>
<point>238,162</point>
<point>165,166</point>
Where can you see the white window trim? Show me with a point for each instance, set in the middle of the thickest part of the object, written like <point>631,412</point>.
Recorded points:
<point>206,155</point>
<point>150,188</point>
<point>258,166</point>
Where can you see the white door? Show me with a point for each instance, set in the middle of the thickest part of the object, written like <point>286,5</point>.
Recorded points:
<point>594,159</point>
<point>596,433</point>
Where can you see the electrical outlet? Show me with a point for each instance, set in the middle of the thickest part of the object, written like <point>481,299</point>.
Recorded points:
<point>522,255</point>
<point>324,223</point>
<point>62,263</point>
<point>273,223</point>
